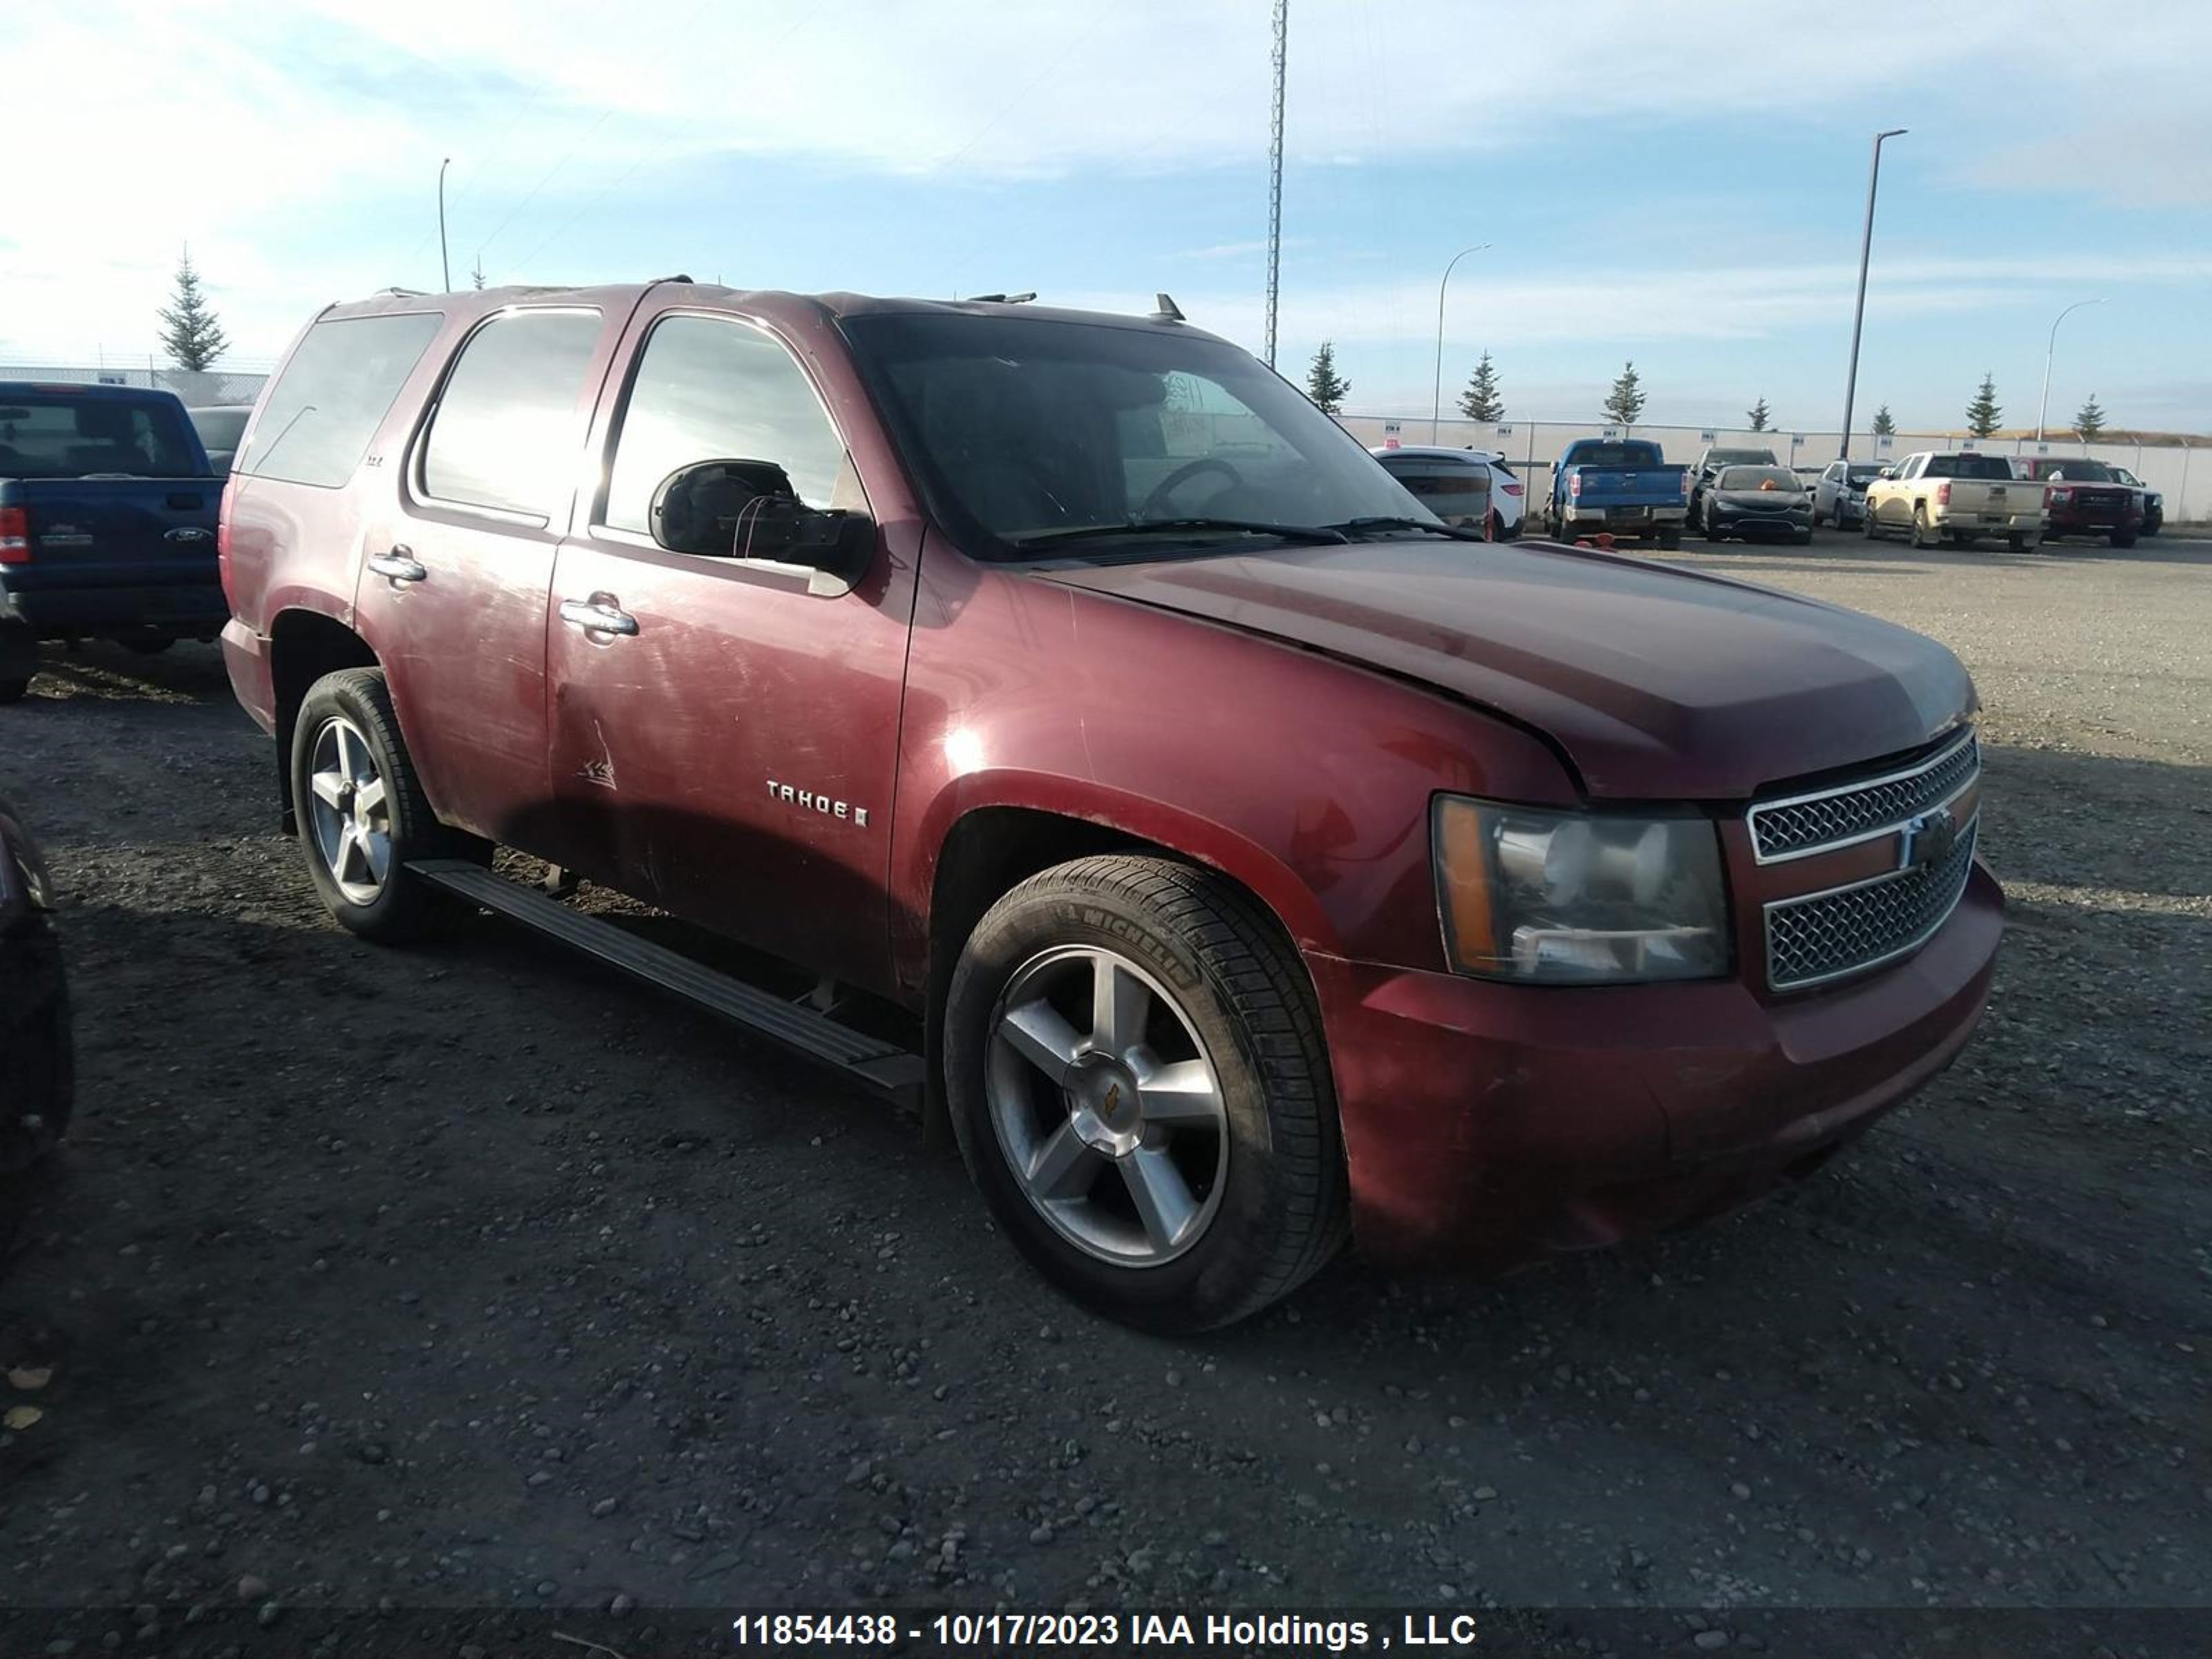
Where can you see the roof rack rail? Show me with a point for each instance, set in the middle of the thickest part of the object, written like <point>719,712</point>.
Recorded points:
<point>1002,299</point>
<point>678,278</point>
<point>397,293</point>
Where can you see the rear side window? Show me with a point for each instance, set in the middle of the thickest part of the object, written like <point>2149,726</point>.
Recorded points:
<point>318,420</point>
<point>707,389</point>
<point>59,434</point>
<point>504,436</point>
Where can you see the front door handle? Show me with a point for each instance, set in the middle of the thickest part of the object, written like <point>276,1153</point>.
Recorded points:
<point>597,616</point>
<point>400,565</point>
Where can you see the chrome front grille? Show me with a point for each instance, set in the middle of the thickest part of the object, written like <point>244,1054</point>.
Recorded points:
<point>1823,936</point>
<point>1804,825</point>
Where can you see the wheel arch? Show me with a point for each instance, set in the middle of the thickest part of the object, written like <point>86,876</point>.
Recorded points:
<point>304,645</point>
<point>990,848</point>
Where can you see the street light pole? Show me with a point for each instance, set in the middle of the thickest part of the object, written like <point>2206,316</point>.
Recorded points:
<point>2049,351</point>
<point>445,271</point>
<point>1858,311</point>
<point>1436,403</point>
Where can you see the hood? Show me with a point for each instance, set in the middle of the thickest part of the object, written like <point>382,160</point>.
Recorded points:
<point>1657,682</point>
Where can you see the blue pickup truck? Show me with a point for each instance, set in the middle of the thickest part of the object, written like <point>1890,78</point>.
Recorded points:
<point>108,523</point>
<point>1623,486</point>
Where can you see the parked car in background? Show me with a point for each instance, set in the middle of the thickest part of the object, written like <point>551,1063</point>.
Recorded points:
<point>37,1060</point>
<point>1935,497</point>
<point>1807,475</point>
<point>1464,487</point>
<point>2154,503</point>
<point>107,522</point>
<point>1623,486</point>
<point>1253,857</point>
<point>1711,462</point>
<point>1757,502</point>
<point>220,427</point>
<point>1840,497</point>
<point>2085,497</point>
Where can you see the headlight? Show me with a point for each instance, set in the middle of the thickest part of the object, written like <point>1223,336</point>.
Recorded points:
<point>1576,897</point>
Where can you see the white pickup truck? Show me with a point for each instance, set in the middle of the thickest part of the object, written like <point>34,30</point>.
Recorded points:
<point>1935,497</point>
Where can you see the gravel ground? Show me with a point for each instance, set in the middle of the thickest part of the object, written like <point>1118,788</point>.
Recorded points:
<point>472,1276</point>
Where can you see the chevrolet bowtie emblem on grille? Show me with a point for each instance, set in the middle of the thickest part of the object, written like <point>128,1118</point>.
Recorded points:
<point>1927,839</point>
<point>1113,1096</point>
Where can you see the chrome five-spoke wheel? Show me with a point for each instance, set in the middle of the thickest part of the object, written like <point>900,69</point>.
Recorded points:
<point>348,811</point>
<point>1107,1107</point>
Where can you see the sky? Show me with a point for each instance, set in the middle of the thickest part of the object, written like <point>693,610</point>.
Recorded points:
<point>1682,185</point>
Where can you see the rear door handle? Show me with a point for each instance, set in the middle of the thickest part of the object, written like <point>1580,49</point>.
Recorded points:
<point>399,564</point>
<point>597,616</point>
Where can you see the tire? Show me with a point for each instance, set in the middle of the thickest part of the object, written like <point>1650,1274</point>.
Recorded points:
<point>1803,537</point>
<point>1669,540</point>
<point>346,719</point>
<point>2123,538</point>
<point>1869,526</point>
<point>1257,1193</point>
<point>1713,535</point>
<point>1921,535</point>
<point>38,1059</point>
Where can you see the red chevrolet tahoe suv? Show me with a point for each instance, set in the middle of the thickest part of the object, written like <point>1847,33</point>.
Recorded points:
<point>1259,860</point>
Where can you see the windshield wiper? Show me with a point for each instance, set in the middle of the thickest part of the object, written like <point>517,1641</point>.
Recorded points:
<point>1289,532</point>
<point>1458,532</point>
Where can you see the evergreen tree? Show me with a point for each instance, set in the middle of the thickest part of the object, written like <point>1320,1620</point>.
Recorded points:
<point>189,333</point>
<point>2089,421</point>
<point>1324,385</point>
<point>1481,401</point>
<point>1982,414</point>
<point>1625,403</point>
<point>1758,415</point>
<point>1885,424</point>
<point>476,271</point>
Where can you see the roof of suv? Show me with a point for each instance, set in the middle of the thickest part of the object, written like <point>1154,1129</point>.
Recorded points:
<point>714,295</point>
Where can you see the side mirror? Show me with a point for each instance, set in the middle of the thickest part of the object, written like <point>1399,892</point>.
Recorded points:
<point>731,508</point>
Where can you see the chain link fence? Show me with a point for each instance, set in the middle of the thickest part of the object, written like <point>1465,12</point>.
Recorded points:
<point>198,387</point>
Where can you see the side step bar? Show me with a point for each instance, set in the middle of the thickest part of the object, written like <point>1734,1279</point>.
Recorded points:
<point>882,1066</point>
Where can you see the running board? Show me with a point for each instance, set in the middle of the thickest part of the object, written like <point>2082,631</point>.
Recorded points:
<point>882,1066</point>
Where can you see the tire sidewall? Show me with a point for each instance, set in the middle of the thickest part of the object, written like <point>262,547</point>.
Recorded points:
<point>1207,1284</point>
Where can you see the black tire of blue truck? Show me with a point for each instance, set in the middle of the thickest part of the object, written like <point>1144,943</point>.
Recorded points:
<point>1281,1211</point>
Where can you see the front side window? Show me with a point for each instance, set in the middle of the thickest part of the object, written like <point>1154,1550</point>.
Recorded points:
<point>504,433</point>
<point>712,388</point>
<point>1023,430</point>
<point>318,418</point>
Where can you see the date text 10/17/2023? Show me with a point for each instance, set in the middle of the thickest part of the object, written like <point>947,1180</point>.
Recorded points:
<point>1193,1631</point>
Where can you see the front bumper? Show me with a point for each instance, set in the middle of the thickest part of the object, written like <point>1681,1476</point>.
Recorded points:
<point>1488,1125</point>
<point>2091,521</point>
<point>1796,521</point>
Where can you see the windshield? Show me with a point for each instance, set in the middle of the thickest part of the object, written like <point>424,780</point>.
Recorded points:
<point>59,434</point>
<point>1757,477</point>
<point>2083,472</point>
<point>1024,428</point>
<point>1867,474</point>
<point>1968,466</point>
<point>2121,474</point>
<point>1738,457</point>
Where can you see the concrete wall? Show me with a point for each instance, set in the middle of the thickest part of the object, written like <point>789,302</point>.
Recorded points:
<point>2174,470</point>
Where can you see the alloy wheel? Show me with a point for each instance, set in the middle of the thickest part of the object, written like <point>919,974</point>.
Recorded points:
<point>349,811</point>
<point>1107,1107</point>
